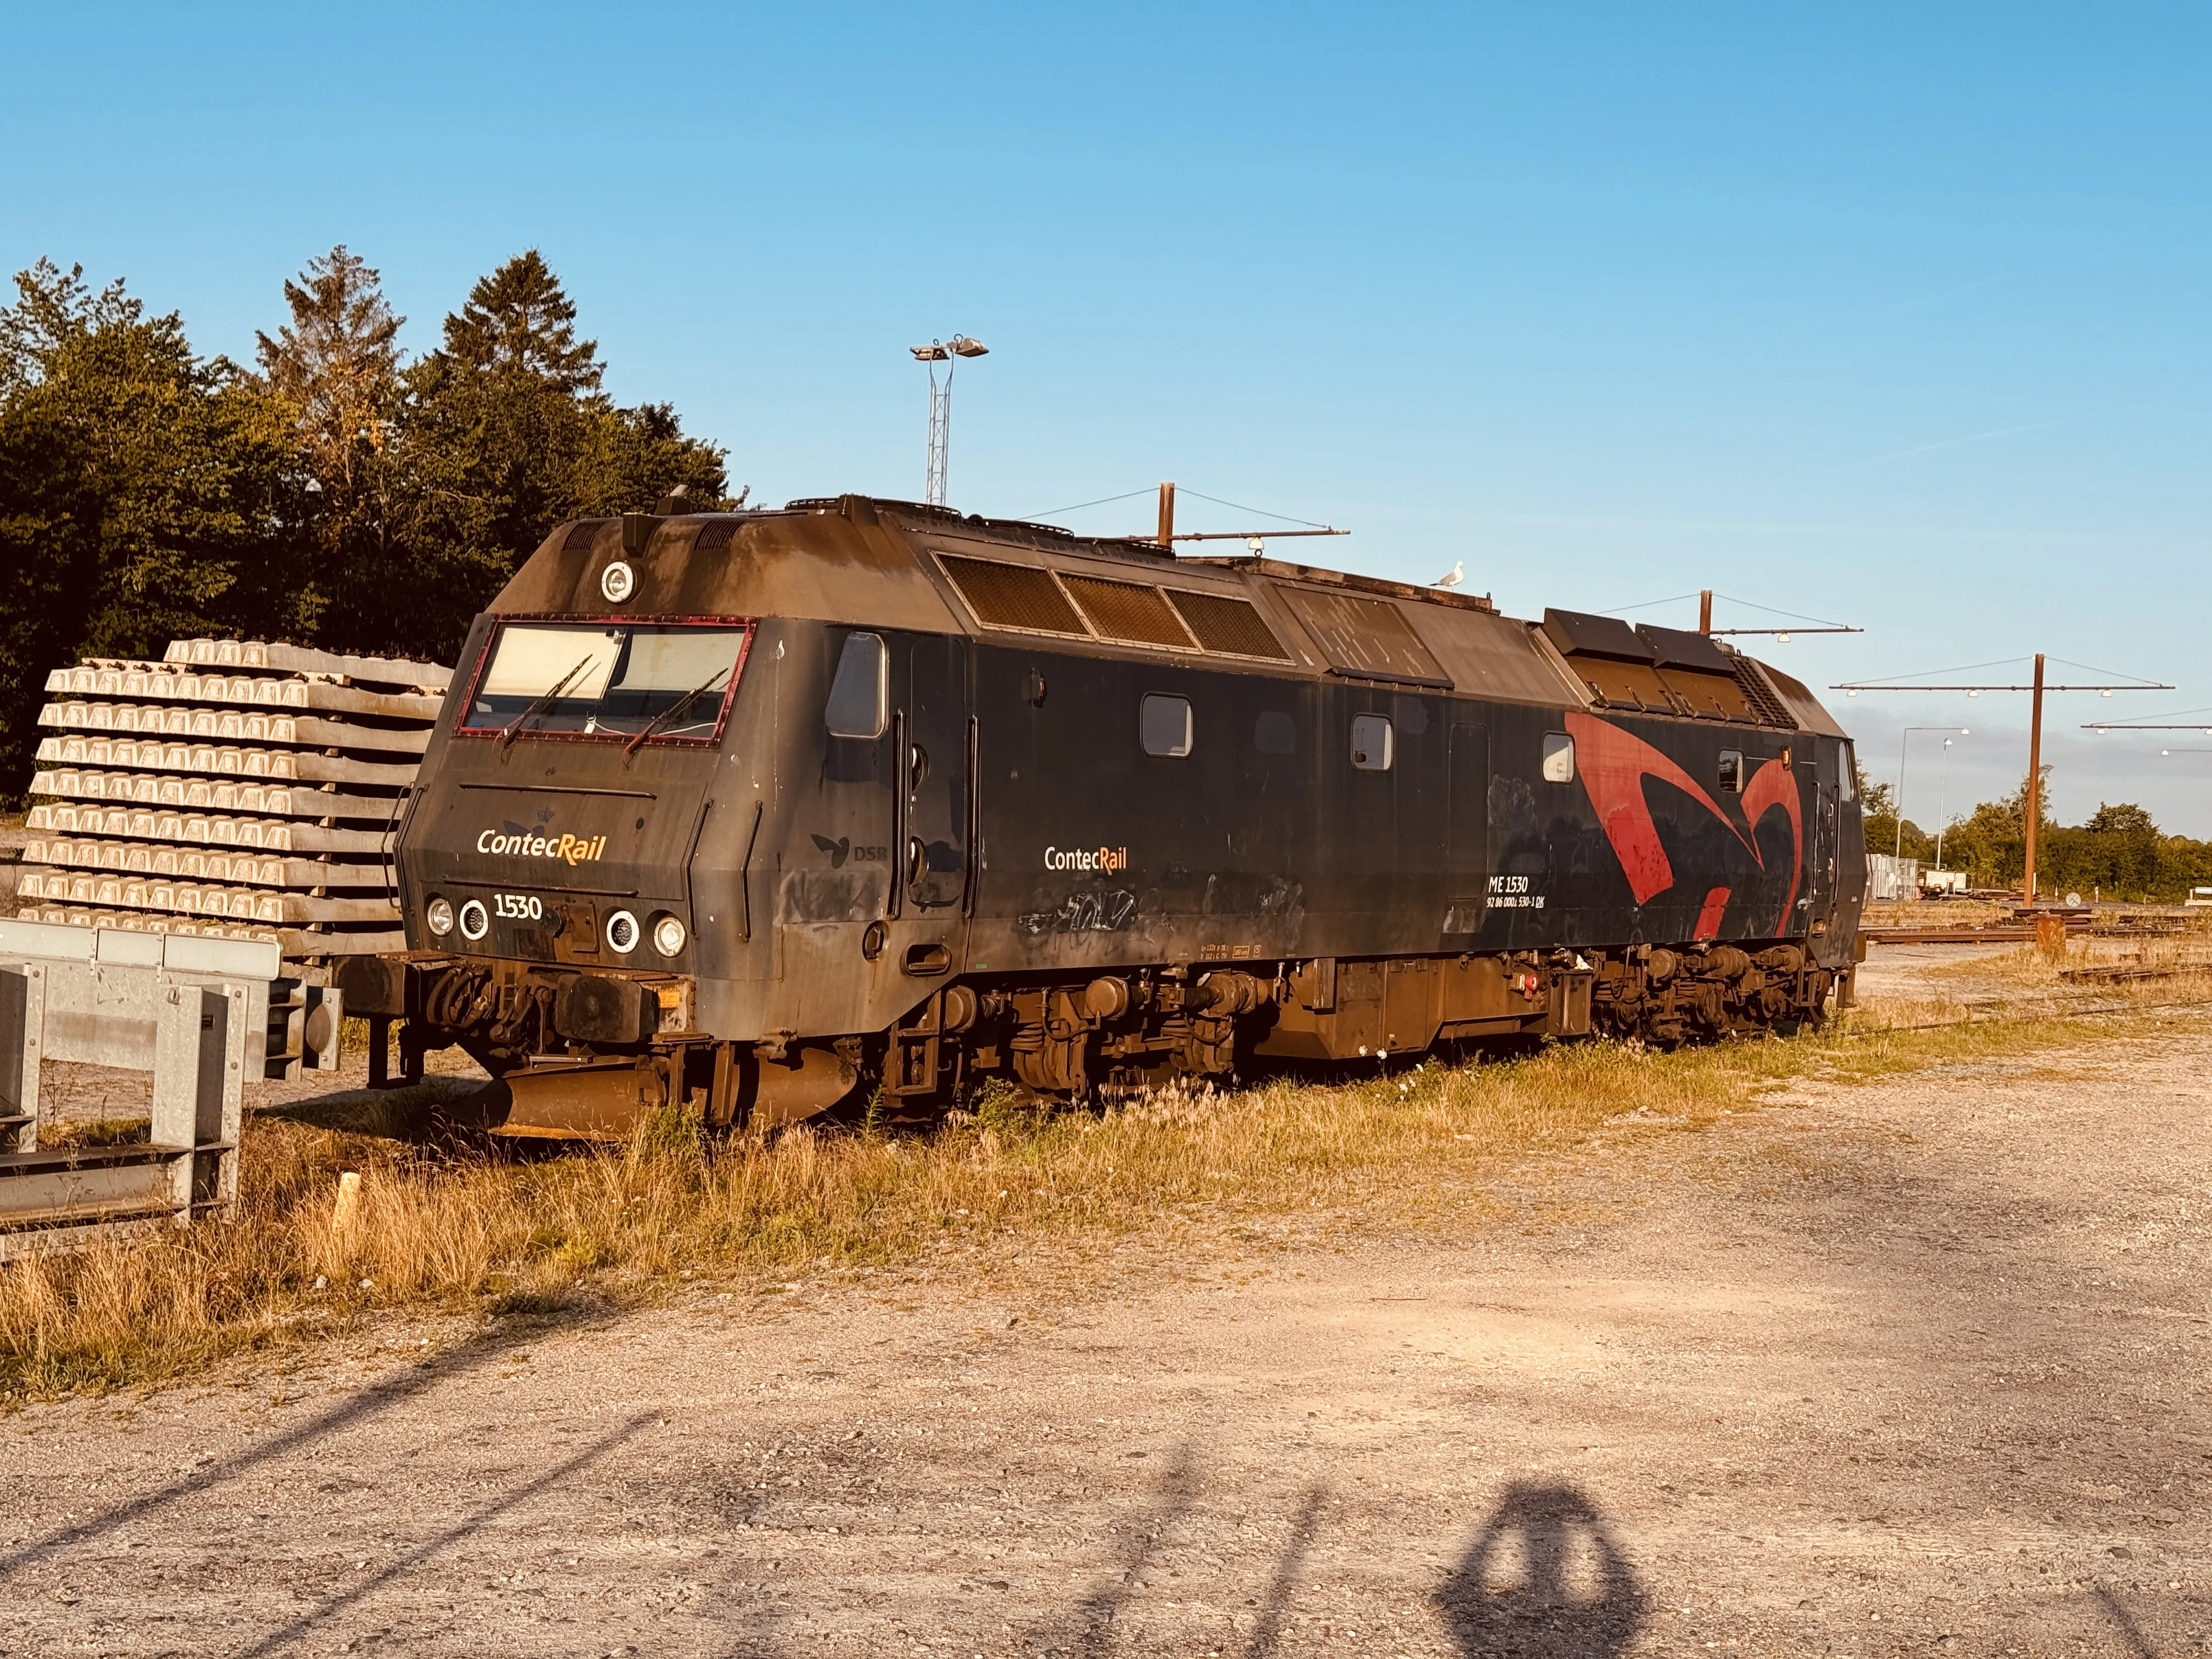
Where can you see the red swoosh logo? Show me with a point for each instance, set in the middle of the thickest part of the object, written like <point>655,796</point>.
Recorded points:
<point>1770,787</point>
<point>1613,765</point>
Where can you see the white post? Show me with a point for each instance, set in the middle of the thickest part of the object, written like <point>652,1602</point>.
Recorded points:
<point>1903,743</point>
<point>1942,801</point>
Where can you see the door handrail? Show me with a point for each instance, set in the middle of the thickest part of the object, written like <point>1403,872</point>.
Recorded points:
<point>901,769</point>
<point>973,815</point>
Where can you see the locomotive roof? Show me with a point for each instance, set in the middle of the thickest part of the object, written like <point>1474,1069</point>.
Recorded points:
<point>900,564</point>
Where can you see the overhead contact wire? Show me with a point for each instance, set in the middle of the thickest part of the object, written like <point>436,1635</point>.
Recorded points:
<point>1261,511</point>
<point>1794,616</point>
<point>1053,512</point>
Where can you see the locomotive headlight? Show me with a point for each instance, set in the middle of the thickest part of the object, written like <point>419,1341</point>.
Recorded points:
<point>622,933</point>
<point>440,915</point>
<point>668,935</point>
<point>476,920</point>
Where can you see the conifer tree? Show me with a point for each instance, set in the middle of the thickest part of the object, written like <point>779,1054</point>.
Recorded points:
<point>335,365</point>
<point>519,319</point>
<point>503,433</point>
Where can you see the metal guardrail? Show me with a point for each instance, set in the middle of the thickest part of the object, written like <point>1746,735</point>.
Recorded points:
<point>198,1013</point>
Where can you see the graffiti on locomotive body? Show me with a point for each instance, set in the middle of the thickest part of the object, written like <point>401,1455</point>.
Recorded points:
<point>1108,912</point>
<point>1512,893</point>
<point>1083,913</point>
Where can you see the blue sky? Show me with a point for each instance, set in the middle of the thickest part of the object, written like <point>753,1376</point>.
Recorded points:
<point>1897,317</point>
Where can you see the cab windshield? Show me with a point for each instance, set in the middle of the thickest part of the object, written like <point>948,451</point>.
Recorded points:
<point>612,679</point>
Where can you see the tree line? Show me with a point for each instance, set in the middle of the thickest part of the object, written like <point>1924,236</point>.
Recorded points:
<point>335,493</point>
<point>339,494</point>
<point>2117,852</point>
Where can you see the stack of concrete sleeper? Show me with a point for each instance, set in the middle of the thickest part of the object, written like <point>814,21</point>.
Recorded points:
<point>233,788</point>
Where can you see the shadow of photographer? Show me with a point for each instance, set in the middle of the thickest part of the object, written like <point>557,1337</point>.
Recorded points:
<point>1543,1580</point>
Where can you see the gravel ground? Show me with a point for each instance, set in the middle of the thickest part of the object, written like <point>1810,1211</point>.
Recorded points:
<point>1915,1365</point>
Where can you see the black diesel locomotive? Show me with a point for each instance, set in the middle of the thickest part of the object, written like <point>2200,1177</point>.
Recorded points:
<point>753,812</point>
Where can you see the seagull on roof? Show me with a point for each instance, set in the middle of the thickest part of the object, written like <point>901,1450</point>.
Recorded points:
<point>1453,577</point>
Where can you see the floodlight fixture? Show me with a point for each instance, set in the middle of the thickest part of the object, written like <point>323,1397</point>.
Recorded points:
<point>948,352</point>
<point>1904,748</point>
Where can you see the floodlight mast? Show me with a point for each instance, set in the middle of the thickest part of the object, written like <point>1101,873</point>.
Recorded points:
<point>1903,746</point>
<point>948,352</point>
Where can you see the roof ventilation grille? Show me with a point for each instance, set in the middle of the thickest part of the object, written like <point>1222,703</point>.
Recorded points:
<point>1126,610</point>
<point>1012,595</point>
<point>1232,626</point>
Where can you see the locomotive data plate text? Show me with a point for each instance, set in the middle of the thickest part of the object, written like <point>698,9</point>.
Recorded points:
<point>519,906</point>
<point>1511,893</point>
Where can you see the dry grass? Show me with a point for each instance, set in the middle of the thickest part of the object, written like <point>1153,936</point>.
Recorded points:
<point>476,1234</point>
<point>2182,961</point>
<point>1990,913</point>
<point>1937,913</point>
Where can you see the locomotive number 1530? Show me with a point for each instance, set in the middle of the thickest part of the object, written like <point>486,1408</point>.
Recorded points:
<point>523,907</point>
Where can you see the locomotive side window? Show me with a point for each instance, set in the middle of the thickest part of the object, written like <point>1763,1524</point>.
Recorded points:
<point>1559,757</point>
<point>1164,725</point>
<point>855,708</point>
<point>1372,743</point>
<point>1275,734</point>
<point>1846,766</point>
<point>1731,775</point>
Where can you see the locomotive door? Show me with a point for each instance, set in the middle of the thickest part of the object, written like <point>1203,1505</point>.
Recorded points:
<point>1826,811</point>
<point>1466,836</point>
<point>1836,815</point>
<point>936,743</point>
<point>1850,831</point>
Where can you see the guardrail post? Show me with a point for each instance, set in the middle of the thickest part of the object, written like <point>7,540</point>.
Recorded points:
<point>193,1010</point>
<point>22,1020</point>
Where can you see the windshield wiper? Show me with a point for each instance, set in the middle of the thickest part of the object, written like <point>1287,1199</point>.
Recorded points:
<point>544,701</point>
<point>676,708</point>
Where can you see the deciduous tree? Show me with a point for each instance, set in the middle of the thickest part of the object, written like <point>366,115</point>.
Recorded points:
<point>339,496</point>
<point>138,484</point>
